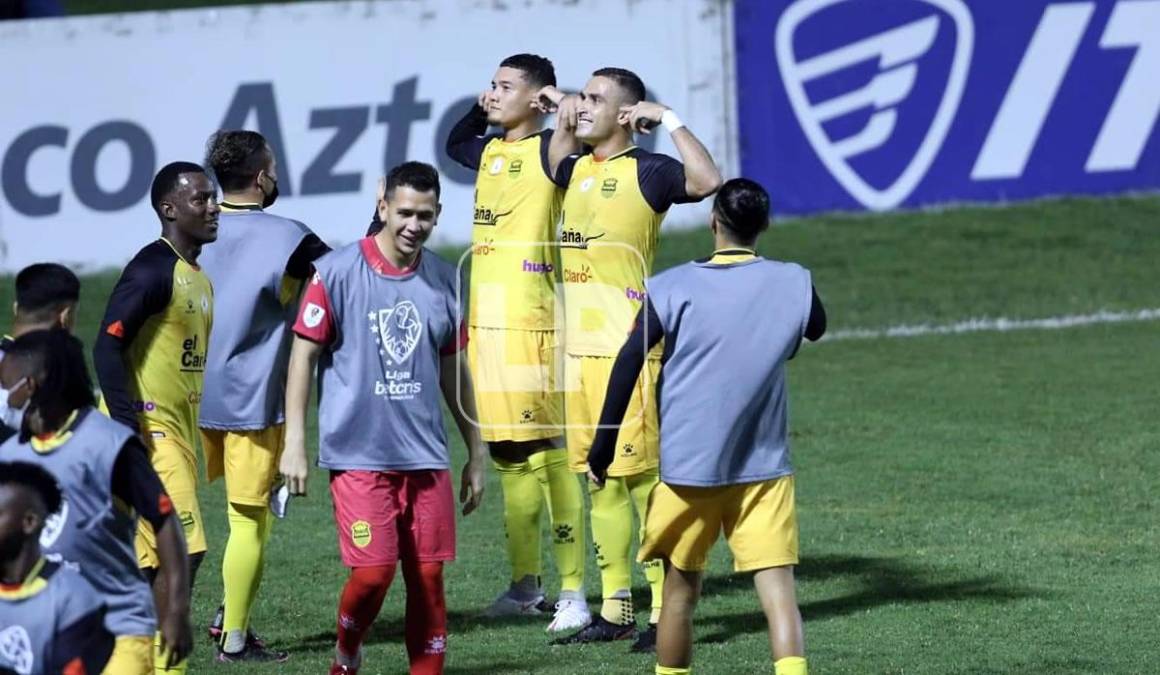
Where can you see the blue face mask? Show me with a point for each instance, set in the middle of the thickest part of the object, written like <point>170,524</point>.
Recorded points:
<point>9,416</point>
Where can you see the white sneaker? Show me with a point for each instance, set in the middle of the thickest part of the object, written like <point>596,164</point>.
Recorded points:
<point>571,614</point>
<point>507,605</point>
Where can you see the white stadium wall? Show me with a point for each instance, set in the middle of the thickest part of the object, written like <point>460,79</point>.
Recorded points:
<point>93,106</point>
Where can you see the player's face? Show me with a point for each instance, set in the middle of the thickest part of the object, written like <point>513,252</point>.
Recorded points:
<point>509,102</point>
<point>194,209</point>
<point>410,215</point>
<point>18,521</point>
<point>597,112</point>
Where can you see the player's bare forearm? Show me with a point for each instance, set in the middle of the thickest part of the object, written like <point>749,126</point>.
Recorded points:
<point>300,374</point>
<point>176,633</point>
<point>564,141</point>
<point>702,177</point>
<point>458,391</point>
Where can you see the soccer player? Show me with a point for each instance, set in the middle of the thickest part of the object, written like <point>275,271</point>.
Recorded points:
<point>150,351</point>
<point>51,619</point>
<point>107,481</point>
<point>730,322</point>
<point>46,297</point>
<point>381,320</point>
<point>513,342</point>
<point>617,196</point>
<point>258,266</point>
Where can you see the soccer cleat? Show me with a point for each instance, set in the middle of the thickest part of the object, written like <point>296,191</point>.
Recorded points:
<point>646,640</point>
<point>508,605</point>
<point>253,654</point>
<point>600,630</point>
<point>571,614</point>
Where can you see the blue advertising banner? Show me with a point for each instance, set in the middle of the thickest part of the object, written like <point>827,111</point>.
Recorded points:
<point>880,104</point>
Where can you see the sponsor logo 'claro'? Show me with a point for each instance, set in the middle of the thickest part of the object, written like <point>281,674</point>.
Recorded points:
<point>581,275</point>
<point>485,247</point>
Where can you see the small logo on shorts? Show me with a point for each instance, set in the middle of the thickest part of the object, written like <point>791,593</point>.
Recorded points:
<point>629,450</point>
<point>360,533</point>
<point>526,416</point>
<point>187,521</point>
<point>564,534</point>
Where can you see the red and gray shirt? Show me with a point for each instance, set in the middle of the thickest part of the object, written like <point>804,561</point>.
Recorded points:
<point>385,331</point>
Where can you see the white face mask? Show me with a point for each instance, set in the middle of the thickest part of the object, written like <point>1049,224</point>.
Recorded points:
<point>9,416</point>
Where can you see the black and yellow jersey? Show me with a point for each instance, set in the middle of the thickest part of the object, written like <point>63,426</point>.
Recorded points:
<point>611,219</point>
<point>517,207</point>
<point>150,351</point>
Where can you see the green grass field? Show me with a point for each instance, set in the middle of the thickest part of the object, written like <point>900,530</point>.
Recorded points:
<point>968,503</point>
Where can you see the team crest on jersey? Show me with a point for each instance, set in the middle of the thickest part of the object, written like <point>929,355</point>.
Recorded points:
<point>516,167</point>
<point>16,649</point>
<point>54,526</point>
<point>399,328</point>
<point>608,187</point>
<point>496,166</point>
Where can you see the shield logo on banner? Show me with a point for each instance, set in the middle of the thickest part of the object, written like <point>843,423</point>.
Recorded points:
<point>16,648</point>
<point>850,97</point>
<point>399,330</point>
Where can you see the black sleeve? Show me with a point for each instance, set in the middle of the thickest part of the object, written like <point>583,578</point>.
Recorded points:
<point>136,483</point>
<point>662,181</point>
<point>564,171</point>
<point>466,141</point>
<point>301,263</point>
<point>144,289</point>
<point>85,642</point>
<point>816,325</point>
<point>647,331</point>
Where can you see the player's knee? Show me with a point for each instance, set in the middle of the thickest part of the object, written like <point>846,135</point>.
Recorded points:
<point>373,579</point>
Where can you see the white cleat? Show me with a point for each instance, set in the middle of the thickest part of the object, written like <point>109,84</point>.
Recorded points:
<point>506,605</point>
<point>571,614</point>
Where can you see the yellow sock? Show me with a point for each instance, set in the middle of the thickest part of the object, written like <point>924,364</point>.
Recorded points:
<point>612,535</point>
<point>666,670</point>
<point>242,571</point>
<point>641,486</point>
<point>562,492</point>
<point>522,503</point>
<point>790,665</point>
<point>159,659</point>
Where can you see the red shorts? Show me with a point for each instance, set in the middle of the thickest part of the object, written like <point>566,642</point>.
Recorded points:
<point>385,515</point>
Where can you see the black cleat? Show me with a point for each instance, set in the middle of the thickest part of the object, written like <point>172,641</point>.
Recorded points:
<point>600,630</point>
<point>646,640</point>
<point>253,654</point>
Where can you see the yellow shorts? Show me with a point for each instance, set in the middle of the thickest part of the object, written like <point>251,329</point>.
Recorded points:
<point>176,463</point>
<point>638,442</point>
<point>759,520</point>
<point>247,459</point>
<point>515,374</point>
<point>132,655</point>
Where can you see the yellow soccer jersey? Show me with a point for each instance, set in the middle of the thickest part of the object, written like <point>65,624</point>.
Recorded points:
<point>150,352</point>
<point>517,206</point>
<point>612,216</point>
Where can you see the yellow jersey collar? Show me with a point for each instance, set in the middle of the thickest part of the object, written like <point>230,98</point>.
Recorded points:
<point>31,585</point>
<point>45,443</point>
<point>613,156</point>
<point>726,256</point>
<point>234,207</point>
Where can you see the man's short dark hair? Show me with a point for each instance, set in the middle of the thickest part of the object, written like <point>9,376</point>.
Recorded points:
<point>537,70</point>
<point>35,478</point>
<point>742,208</point>
<point>46,287</point>
<point>167,180</point>
<point>58,358</point>
<point>415,175</point>
<point>627,80</point>
<point>236,157</point>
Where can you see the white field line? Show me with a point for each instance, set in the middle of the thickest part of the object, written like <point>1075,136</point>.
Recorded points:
<point>999,325</point>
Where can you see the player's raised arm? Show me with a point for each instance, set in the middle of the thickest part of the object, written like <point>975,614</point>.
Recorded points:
<point>467,139</point>
<point>564,141</point>
<point>455,382</point>
<point>702,177</point>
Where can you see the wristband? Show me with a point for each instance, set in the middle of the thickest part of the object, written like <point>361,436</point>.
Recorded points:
<point>670,121</point>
